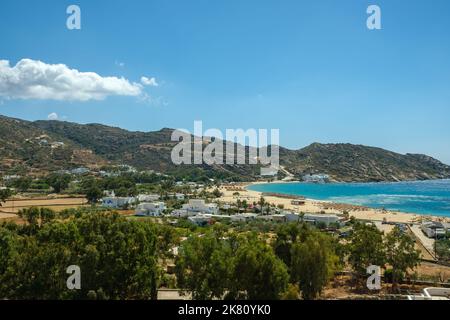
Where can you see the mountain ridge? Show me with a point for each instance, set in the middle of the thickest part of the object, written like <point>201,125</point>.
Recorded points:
<point>47,145</point>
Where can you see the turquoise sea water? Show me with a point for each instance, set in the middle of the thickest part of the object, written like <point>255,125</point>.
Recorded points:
<point>422,197</point>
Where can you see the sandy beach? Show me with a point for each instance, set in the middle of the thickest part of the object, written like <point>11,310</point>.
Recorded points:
<point>318,206</point>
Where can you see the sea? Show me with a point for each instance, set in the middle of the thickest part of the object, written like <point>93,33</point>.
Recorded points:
<point>431,197</point>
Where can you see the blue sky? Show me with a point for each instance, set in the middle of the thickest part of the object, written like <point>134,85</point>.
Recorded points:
<point>310,68</point>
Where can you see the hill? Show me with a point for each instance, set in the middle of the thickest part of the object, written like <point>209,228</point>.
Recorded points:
<point>26,147</point>
<point>347,162</point>
<point>50,145</point>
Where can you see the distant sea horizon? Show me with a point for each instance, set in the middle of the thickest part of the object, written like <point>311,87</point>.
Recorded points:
<point>429,197</point>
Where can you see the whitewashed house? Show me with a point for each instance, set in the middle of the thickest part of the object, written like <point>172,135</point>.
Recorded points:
<point>199,206</point>
<point>321,218</point>
<point>226,206</point>
<point>118,202</point>
<point>181,213</point>
<point>178,196</point>
<point>316,178</point>
<point>201,219</point>
<point>152,209</point>
<point>148,197</point>
<point>80,171</point>
<point>298,202</point>
<point>243,217</point>
<point>313,218</point>
<point>11,177</point>
<point>57,144</point>
<point>433,229</point>
<point>109,193</point>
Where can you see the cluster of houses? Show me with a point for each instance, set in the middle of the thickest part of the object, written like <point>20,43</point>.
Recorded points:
<point>201,213</point>
<point>287,216</point>
<point>145,204</point>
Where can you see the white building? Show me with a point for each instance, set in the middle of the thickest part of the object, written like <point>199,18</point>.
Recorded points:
<point>178,196</point>
<point>269,172</point>
<point>103,173</point>
<point>273,217</point>
<point>57,144</point>
<point>316,178</point>
<point>118,202</point>
<point>312,218</point>
<point>243,217</point>
<point>182,213</point>
<point>199,206</point>
<point>433,229</point>
<point>80,171</point>
<point>152,209</point>
<point>321,218</point>
<point>298,202</point>
<point>201,219</point>
<point>227,206</point>
<point>148,197</point>
<point>109,193</point>
<point>11,177</point>
<point>127,168</point>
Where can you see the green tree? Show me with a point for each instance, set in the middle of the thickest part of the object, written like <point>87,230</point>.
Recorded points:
<point>59,182</point>
<point>245,205</point>
<point>216,193</point>
<point>286,235</point>
<point>292,293</point>
<point>262,203</point>
<point>313,264</point>
<point>117,258</point>
<point>8,249</point>
<point>4,195</point>
<point>365,248</point>
<point>22,184</point>
<point>400,254</point>
<point>37,217</point>
<point>93,194</point>
<point>122,192</point>
<point>168,237</point>
<point>443,249</point>
<point>257,272</point>
<point>203,266</point>
<point>238,205</point>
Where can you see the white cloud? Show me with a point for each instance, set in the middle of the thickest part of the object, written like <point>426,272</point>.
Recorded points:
<point>149,82</point>
<point>31,79</point>
<point>120,64</point>
<point>53,116</point>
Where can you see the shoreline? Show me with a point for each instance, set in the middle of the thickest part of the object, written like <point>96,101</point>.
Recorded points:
<point>326,206</point>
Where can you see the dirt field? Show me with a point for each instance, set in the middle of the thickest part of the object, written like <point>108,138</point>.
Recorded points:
<point>434,271</point>
<point>7,215</point>
<point>58,204</point>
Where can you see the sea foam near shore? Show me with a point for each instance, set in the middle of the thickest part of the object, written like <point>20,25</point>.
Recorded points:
<point>420,197</point>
